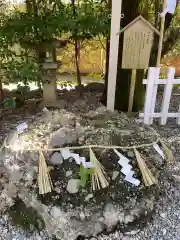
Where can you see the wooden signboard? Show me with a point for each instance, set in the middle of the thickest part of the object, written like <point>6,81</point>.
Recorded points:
<point>138,39</point>
<point>136,50</point>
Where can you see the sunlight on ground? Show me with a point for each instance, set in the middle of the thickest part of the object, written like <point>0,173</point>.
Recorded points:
<point>61,80</point>
<point>34,87</point>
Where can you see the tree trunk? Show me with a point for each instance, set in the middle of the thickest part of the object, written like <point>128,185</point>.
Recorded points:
<point>1,91</point>
<point>157,10</point>
<point>104,97</point>
<point>29,7</point>
<point>32,10</point>
<point>124,75</point>
<point>76,48</point>
<point>77,60</point>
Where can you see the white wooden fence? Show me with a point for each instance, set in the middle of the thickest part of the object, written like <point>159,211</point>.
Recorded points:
<point>152,83</point>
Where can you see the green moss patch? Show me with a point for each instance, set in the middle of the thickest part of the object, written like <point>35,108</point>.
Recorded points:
<point>25,217</point>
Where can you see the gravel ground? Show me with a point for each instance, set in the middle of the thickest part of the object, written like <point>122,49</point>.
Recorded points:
<point>165,223</point>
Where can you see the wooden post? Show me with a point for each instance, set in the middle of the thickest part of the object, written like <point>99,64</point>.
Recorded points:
<point>178,118</point>
<point>132,88</point>
<point>151,79</point>
<point>114,49</point>
<point>161,37</point>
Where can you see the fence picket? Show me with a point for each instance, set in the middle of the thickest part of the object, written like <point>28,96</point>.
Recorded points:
<point>153,101</point>
<point>178,118</point>
<point>149,93</point>
<point>167,95</point>
<point>152,83</point>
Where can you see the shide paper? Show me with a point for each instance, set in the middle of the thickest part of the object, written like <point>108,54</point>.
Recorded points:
<point>127,169</point>
<point>159,151</point>
<point>129,178</point>
<point>66,154</point>
<point>170,7</point>
<point>21,127</point>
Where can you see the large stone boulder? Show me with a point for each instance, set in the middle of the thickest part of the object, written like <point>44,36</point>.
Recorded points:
<point>73,209</point>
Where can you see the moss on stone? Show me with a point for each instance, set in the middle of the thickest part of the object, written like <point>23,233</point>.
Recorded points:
<point>25,217</point>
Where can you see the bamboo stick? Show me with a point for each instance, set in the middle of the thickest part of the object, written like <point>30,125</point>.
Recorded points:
<point>148,177</point>
<point>44,180</point>
<point>158,63</point>
<point>99,175</point>
<point>132,89</point>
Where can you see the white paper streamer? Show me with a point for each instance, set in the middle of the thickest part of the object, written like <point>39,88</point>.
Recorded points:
<point>159,150</point>
<point>84,163</point>
<point>79,160</point>
<point>170,7</point>
<point>123,161</point>
<point>65,153</point>
<point>21,127</point>
<point>76,158</point>
<point>132,180</point>
<point>127,169</point>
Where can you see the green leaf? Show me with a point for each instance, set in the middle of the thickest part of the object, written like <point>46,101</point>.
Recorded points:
<point>84,175</point>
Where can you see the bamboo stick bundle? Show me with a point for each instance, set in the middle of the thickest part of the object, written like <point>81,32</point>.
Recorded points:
<point>167,151</point>
<point>44,179</point>
<point>147,175</point>
<point>99,176</point>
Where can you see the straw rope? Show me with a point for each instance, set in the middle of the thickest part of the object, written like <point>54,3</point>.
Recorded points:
<point>44,180</point>
<point>93,146</point>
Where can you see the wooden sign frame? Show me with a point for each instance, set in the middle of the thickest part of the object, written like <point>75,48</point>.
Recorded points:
<point>138,37</point>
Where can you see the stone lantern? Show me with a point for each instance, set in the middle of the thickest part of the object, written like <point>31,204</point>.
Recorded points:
<point>50,66</point>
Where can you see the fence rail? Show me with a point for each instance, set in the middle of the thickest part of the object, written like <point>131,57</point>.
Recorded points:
<point>152,83</point>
